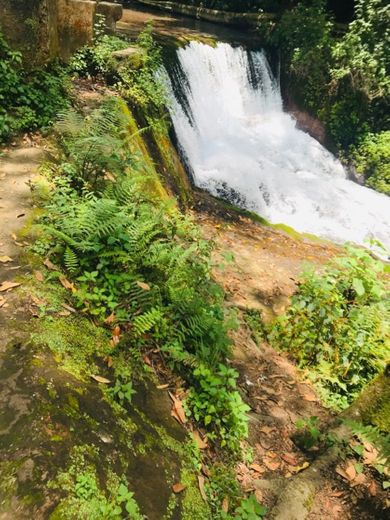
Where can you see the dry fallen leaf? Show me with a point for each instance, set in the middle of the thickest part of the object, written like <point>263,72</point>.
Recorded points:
<point>68,307</point>
<point>372,488</point>
<point>6,286</point>
<point>307,393</point>
<point>289,458</point>
<point>178,488</point>
<point>116,331</point>
<point>201,443</point>
<point>101,379</point>
<point>205,470</point>
<point>110,320</point>
<point>177,409</point>
<point>297,469</point>
<point>64,314</point>
<point>143,285</point>
<point>5,259</point>
<point>66,283</point>
<point>350,470</point>
<point>370,456</point>
<point>147,360</point>
<point>38,276</point>
<point>266,429</point>
<point>359,480</point>
<point>340,471</point>
<point>162,387</point>
<point>39,302</point>
<point>257,468</point>
<point>272,465</point>
<point>201,487</point>
<point>50,265</point>
<point>225,505</point>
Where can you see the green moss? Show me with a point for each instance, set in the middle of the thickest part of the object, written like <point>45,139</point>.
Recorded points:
<point>74,341</point>
<point>192,499</point>
<point>296,235</point>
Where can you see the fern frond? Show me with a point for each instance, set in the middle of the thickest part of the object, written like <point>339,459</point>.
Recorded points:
<point>71,260</point>
<point>147,321</point>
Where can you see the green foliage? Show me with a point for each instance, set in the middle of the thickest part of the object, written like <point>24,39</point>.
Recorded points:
<point>135,79</point>
<point>92,147</point>
<point>372,159</point>
<point>337,325</point>
<point>309,431</point>
<point>132,255</point>
<point>215,401</point>
<point>87,499</point>
<point>250,509</point>
<point>28,100</point>
<point>373,435</point>
<point>254,320</point>
<point>140,85</point>
<point>342,79</point>
<point>362,54</point>
<point>304,35</point>
<point>96,59</point>
<point>222,484</point>
<point>122,392</point>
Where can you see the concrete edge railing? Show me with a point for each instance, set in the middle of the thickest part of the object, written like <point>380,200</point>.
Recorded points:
<point>249,20</point>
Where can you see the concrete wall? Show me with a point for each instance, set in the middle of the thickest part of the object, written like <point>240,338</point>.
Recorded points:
<point>43,29</point>
<point>241,20</point>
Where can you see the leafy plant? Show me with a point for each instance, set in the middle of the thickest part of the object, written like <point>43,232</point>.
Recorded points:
<point>93,147</point>
<point>309,433</point>
<point>255,322</point>
<point>372,159</point>
<point>122,391</point>
<point>373,435</point>
<point>215,402</point>
<point>337,325</point>
<point>28,99</point>
<point>96,59</point>
<point>250,509</point>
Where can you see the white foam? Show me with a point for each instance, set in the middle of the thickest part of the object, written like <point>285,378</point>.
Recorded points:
<point>235,134</point>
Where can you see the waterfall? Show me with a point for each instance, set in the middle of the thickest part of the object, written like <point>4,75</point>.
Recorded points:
<point>228,115</point>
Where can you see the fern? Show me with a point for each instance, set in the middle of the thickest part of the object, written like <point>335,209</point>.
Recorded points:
<point>147,321</point>
<point>71,260</point>
<point>373,435</point>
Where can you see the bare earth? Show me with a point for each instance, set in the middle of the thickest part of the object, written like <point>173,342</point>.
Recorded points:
<point>17,168</point>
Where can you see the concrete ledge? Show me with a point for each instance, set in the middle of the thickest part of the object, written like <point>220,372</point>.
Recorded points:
<point>243,20</point>
<point>112,11</point>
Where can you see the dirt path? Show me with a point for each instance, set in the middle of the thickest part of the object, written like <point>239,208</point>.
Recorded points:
<point>17,168</point>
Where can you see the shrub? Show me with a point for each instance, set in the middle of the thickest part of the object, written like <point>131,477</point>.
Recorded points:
<point>337,325</point>
<point>372,159</point>
<point>28,100</point>
<point>96,59</point>
<point>215,401</point>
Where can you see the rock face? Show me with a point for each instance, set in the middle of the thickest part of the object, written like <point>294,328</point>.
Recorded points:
<point>44,29</point>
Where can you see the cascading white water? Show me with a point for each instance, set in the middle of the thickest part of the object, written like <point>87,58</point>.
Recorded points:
<point>240,144</point>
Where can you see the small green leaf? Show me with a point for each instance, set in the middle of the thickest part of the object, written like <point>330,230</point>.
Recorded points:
<point>357,284</point>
